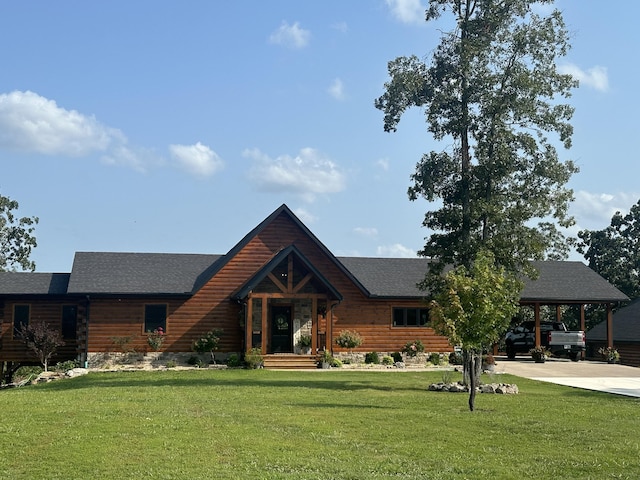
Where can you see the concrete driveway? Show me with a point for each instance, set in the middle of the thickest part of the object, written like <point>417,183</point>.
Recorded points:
<point>600,376</point>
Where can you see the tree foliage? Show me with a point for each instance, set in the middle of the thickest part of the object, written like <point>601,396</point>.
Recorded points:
<point>474,309</point>
<point>42,340</point>
<point>16,237</point>
<point>491,95</point>
<point>614,252</point>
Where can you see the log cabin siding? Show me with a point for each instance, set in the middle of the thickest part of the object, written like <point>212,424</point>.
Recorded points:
<point>46,310</point>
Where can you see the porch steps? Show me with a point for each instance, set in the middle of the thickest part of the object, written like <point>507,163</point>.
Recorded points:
<point>290,361</point>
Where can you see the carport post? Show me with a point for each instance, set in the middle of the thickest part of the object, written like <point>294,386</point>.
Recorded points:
<point>583,325</point>
<point>536,314</point>
<point>609,326</point>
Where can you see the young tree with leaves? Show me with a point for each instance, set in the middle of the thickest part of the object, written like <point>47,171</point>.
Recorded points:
<point>614,252</point>
<point>473,310</point>
<point>491,94</point>
<point>16,237</point>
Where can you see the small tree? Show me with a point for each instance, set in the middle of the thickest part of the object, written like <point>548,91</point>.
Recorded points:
<point>208,343</point>
<point>474,309</point>
<point>42,340</point>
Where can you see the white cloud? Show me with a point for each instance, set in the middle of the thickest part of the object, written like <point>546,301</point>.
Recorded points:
<point>395,251</point>
<point>291,36</point>
<point>383,163</point>
<point>407,11</point>
<point>336,90</point>
<point>342,27</point>
<point>366,231</point>
<point>197,159</point>
<point>593,211</point>
<point>31,123</point>
<point>595,77</point>
<point>305,216</point>
<point>307,174</point>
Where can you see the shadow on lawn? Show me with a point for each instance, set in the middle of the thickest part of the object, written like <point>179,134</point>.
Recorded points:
<point>313,380</point>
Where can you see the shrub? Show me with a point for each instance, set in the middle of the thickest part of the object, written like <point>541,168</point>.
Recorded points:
<point>304,342</point>
<point>455,358</point>
<point>434,358</point>
<point>65,366</point>
<point>397,357</point>
<point>349,339</point>
<point>122,344</point>
<point>42,340</point>
<point>254,358</point>
<point>413,348</point>
<point>208,343</point>
<point>387,360</point>
<point>171,364</point>
<point>26,373</point>
<point>233,360</point>
<point>156,338</point>
<point>195,361</point>
<point>372,357</point>
<point>336,363</point>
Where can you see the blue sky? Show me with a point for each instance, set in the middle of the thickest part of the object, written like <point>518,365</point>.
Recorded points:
<point>157,126</point>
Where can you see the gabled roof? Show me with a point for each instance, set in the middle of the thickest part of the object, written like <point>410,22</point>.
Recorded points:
<point>626,325</point>
<point>29,283</point>
<point>138,273</point>
<point>260,275</point>
<point>571,282</point>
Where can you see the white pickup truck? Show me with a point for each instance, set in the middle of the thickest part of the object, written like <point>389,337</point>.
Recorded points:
<point>553,335</point>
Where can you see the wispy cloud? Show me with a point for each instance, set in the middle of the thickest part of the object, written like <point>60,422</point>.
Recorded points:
<point>395,250</point>
<point>366,231</point>
<point>304,215</point>
<point>407,11</point>
<point>595,77</point>
<point>290,36</point>
<point>593,211</point>
<point>307,174</point>
<point>197,159</point>
<point>341,27</point>
<point>383,164</point>
<point>336,90</point>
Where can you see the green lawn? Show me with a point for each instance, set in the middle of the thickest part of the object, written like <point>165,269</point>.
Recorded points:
<point>245,424</point>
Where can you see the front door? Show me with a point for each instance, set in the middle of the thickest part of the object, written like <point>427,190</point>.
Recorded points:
<point>281,330</point>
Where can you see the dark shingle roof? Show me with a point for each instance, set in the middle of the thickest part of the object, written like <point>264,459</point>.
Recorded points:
<point>28,283</point>
<point>626,325</point>
<point>138,273</point>
<point>569,282</point>
<point>388,277</point>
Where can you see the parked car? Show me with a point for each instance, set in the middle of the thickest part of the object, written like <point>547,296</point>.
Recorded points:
<point>554,336</point>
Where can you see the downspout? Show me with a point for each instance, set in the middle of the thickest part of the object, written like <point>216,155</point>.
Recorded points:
<point>86,335</point>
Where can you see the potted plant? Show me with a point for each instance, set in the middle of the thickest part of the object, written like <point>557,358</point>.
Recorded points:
<point>539,354</point>
<point>326,359</point>
<point>611,355</point>
<point>304,343</point>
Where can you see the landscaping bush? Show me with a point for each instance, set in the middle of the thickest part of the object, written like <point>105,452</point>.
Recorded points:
<point>233,360</point>
<point>254,358</point>
<point>413,348</point>
<point>171,364</point>
<point>26,373</point>
<point>397,357</point>
<point>348,339</point>
<point>336,363</point>
<point>455,358</point>
<point>387,360</point>
<point>434,358</point>
<point>65,366</point>
<point>372,357</point>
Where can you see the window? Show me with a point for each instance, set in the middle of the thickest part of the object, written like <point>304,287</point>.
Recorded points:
<point>155,316</point>
<point>21,314</point>
<point>410,317</point>
<point>69,321</point>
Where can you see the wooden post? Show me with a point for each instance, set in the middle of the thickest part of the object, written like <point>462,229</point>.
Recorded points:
<point>583,325</point>
<point>609,326</point>
<point>263,346</point>
<point>314,325</point>
<point>558,313</point>
<point>248,325</point>
<point>536,314</point>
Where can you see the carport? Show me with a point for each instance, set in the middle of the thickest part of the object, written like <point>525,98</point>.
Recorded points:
<point>570,283</point>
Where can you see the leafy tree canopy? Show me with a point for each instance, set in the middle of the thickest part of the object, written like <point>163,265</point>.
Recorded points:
<point>16,237</point>
<point>614,252</point>
<point>491,95</point>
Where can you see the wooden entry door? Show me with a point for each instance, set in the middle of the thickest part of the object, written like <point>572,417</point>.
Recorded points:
<point>281,329</point>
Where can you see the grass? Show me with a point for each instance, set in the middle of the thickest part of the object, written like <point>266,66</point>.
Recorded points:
<point>259,424</point>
